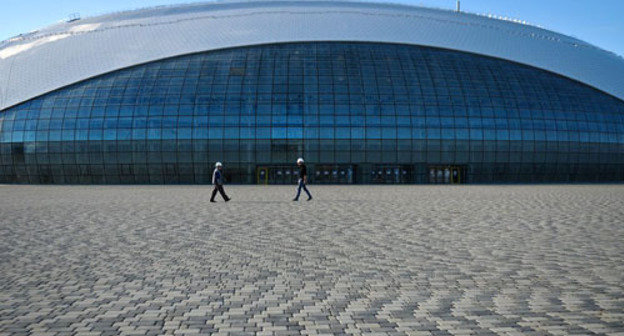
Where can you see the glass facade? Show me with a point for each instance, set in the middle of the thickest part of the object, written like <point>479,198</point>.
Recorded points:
<point>365,107</point>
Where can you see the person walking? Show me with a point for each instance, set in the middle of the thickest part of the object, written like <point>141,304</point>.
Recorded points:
<point>303,180</point>
<point>217,181</point>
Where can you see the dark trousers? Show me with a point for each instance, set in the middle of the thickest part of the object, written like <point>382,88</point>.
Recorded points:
<point>218,188</point>
<point>302,186</point>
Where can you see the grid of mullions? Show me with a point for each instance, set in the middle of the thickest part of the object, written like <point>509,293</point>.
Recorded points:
<point>332,102</point>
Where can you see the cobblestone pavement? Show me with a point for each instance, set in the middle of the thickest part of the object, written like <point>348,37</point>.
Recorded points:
<point>408,260</point>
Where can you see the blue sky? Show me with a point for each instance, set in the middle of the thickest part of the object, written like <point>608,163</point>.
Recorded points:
<point>599,22</point>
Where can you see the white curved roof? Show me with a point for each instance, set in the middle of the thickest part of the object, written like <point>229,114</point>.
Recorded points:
<point>66,53</point>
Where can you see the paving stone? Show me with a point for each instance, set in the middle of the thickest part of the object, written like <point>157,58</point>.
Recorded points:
<point>361,260</point>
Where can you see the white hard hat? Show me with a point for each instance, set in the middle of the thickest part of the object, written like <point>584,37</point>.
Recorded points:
<point>300,160</point>
<point>218,164</point>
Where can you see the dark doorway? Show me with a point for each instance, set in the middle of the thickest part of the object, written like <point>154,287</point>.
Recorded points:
<point>447,174</point>
<point>334,174</point>
<point>391,174</point>
<point>277,174</point>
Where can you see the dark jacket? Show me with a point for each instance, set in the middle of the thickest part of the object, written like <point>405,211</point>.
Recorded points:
<point>303,171</point>
<point>217,177</point>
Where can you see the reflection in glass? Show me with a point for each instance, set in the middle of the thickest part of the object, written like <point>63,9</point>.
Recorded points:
<point>385,106</point>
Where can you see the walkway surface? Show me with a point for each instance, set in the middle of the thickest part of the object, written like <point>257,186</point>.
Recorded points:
<point>405,260</point>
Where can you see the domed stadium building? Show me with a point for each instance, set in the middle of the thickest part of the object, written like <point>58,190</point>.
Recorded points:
<point>366,93</point>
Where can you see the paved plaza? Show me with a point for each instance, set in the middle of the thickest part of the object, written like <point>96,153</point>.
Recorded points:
<point>357,260</point>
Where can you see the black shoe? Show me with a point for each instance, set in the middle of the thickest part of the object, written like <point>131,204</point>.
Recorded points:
<point>227,199</point>
<point>310,198</point>
<point>213,201</point>
<point>295,200</point>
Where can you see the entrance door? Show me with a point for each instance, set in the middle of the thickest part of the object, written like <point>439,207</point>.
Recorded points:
<point>391,174</point>
<point>262,175</point>
<point>449,174</point>
<point>334,174</point>
<point>277,174</point>
<point>455,175</point>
